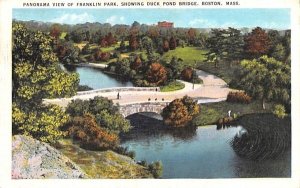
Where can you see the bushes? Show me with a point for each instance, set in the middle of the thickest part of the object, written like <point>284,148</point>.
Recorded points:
<point>187,74</point>
<point>101,56</point>
<point>279,111</point>
<point>238,97</point>
<point>156,169</point>
<point>90,135</point>
<point>180,112</point>
<point>105,112</point>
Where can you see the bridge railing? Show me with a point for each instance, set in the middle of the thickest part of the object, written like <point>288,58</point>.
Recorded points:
<point>118,89</point>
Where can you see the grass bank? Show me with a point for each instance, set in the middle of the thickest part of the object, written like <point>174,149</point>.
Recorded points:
<point>210,113</point>
<point>103,164</point>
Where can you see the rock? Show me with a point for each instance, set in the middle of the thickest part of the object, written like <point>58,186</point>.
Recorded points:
<point>34,159</point>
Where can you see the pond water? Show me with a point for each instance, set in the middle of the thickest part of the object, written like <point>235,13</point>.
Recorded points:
<point>97,79</point>
<point>204,152</point>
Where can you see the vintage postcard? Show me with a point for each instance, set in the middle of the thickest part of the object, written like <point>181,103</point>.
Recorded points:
<point>184,93</point>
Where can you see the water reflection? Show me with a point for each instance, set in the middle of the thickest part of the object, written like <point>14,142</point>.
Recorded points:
<point>145,128</point>
<point>96,78</point>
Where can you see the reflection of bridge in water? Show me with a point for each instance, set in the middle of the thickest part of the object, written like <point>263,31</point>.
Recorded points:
<point>142,99</point>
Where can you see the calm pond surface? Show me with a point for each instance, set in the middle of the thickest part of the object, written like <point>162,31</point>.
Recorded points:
<point>97,79</point>
<point>202,153</point>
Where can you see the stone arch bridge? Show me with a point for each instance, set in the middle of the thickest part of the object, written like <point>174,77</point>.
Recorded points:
<point>129,109</point>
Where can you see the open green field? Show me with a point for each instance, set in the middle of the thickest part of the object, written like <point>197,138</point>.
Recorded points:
<point>187,54</point>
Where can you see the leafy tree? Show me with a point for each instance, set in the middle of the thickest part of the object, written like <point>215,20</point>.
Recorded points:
<point>55,31</point>
<point>36,75</point>
<point>233,45</point>
<point>172,43</point>
<point>226,45</point>
<point>67,53</point>
<point>105,112</point>
<point>279,52</point>
<point>42,122</point>
<point>266,79</point>
<point>187,74</point>
<point>136,64</point>
<point>156,74</point>
<point>257,42</point>
<point>90,134</point>
<point>180,112</point>
<point>191,34</point>
<point>113,122</point>
<point>133,42</point>
<point>166,45</point>
<point>215,45</point>
<point>148,45</point>
<point>176,66</point>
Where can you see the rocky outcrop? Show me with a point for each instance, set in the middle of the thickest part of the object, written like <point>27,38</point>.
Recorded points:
<point>35,159</point>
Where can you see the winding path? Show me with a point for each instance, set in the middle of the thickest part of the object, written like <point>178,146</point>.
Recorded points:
<point>213,89</point>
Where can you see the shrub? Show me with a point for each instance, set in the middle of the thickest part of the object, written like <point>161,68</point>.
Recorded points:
<point>238,97</point>
<point>84,88</point>
<point>101,56</point>
<point>156,169</point>
<point>187,74</point>
<point>279,111</point>
<point>90,135</point>
<point>180,112</point>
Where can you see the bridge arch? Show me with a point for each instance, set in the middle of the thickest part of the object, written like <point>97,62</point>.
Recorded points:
<point>129,109</point>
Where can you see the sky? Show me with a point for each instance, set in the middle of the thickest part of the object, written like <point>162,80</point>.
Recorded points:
<point>198,18</point>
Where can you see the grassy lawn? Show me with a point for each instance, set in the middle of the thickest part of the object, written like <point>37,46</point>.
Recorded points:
<point>212,112</point>
<point>172,86</point>
<point>190,54</point>
<point>187,54</point>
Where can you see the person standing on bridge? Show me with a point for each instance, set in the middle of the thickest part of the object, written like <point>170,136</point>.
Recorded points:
<point>118,95</point>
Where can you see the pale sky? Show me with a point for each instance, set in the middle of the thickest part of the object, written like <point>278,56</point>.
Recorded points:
<point>198,18</point>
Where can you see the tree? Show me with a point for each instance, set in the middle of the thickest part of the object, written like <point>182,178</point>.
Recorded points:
<point>187,74</point>
<point>279,52</point>
<point>90,134</point>
<point>166,45</point>
<point>55,31</point>
<point>103,109</point>
<point>136,64</point>
<point>257,42</point>
<point>176,66</point>
<point>156,74</point>
<point>180,112</point>
<point>215,45</point>
<point>191,34</point>
<point>233,45</point>
<point>172,43</point>
<point>36,75</point>
<point>226,45</point>
<point>133,42</point>
<point>148,45</point>
<point>266,79</point>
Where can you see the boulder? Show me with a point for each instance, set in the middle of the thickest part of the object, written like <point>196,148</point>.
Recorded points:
<point>33,159</point>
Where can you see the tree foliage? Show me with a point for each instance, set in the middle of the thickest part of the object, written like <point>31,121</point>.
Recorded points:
<point>90,134</point>
<point>36,75</point>
<point>180,112</point>
<point>157,74</point>
<point>266,79</point>
<point>257,43</point>
<point>105,112</point>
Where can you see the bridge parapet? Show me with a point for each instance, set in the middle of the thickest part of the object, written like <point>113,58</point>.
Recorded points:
<point>130,109</point>
<point>117,89</point>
